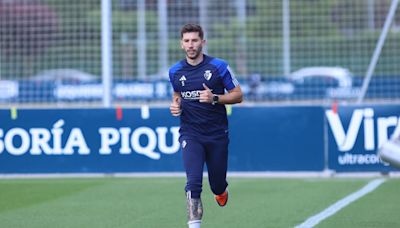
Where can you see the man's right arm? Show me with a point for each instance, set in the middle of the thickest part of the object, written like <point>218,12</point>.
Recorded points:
<point>175,106</point>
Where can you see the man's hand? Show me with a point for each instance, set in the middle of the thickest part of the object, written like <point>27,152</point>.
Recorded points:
<point>175,107</point>
<point>206,95</point>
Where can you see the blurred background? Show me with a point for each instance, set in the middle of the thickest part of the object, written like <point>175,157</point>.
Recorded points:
<point>100,53</point>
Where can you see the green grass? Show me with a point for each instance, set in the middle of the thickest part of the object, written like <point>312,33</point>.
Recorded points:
<point>160,202</point>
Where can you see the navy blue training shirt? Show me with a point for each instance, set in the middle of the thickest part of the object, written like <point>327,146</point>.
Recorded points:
<point>202,119</point>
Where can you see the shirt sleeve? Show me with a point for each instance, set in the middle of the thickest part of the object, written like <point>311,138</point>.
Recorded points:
<point>228,78</point>
<point>171,79</point>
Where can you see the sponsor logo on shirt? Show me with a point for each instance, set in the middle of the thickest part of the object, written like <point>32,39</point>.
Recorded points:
<point>191,95</point>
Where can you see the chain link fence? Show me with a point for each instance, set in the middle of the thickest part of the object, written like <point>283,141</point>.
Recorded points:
<point>280,50</point>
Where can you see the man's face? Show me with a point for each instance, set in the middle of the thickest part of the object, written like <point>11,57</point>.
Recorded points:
<point>192,44</point>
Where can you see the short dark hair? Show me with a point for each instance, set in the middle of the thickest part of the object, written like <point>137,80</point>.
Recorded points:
<point>192,28</point>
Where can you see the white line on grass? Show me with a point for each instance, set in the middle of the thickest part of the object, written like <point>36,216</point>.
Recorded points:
<point>315,219</point>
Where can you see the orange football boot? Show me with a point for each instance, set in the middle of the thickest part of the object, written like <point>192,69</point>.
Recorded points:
<point>222,199</point>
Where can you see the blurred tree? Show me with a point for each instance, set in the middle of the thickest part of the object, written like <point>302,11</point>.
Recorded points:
<point>26,27</point>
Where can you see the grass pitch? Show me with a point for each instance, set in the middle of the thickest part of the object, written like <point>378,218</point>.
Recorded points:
<point>160,202</point>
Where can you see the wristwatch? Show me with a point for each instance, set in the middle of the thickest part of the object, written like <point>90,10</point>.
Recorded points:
<point>215,99</point>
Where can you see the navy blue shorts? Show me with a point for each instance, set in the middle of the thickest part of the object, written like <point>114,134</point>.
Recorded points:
<point>213,152</point>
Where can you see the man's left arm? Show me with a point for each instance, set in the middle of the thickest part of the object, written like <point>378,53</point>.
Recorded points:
<point>233,96</point>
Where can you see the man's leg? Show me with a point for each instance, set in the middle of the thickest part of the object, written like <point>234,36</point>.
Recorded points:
<point>193,160</point>
<point>217,165</point>
<point>194,210</point>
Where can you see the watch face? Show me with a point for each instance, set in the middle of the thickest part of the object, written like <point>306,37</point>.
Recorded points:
<point>215,98</point>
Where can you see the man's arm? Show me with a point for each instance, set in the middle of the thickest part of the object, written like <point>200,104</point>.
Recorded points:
<point>233,96</point>
<point>175,107</point>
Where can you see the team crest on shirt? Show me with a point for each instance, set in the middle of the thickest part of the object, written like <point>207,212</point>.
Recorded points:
<point>182,80</point>
<point>207,74</point>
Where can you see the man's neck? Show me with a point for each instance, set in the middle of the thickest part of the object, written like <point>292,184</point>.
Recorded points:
<point>196,61</point>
